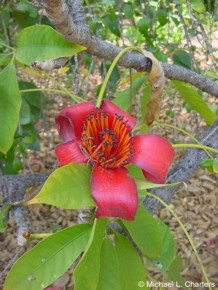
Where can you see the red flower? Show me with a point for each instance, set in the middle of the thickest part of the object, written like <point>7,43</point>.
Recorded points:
<point>103,137</point>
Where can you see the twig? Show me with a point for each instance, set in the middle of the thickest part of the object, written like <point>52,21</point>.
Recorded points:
<point>13,188</point>
<point>86,86</point>
<point>208,45</point>
<point>188,40</point>
<point>7,39</point>
<point>76,76</point>
<point>50,64</point>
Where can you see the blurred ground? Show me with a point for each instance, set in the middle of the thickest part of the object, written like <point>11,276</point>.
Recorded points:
<point>196,205</point>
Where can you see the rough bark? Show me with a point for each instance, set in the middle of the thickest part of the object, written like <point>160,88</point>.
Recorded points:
<point>77,32</point>
<point>184,170</point>
<point>12,190</point>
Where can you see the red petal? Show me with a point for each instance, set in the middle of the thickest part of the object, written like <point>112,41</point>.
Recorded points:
<point>154,155</point>
<point>110,108</point>
<point>70,120</point>
<point>114,192</point>
<point>69,152</point>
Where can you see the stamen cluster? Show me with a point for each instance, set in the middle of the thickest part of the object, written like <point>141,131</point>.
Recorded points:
<point>106,140</point>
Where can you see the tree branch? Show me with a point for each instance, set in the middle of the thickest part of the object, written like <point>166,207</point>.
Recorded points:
<point>13,189</point>
<point>184,170</point>
<point>61,17</point>
<point>175,72</point>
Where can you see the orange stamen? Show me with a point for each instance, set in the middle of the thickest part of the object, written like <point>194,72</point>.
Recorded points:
<point>107,142</point>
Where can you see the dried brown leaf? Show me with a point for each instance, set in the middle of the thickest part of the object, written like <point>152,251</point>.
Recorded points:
<point>157,81</point>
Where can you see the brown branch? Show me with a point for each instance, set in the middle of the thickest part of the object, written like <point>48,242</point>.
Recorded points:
<point>50,64</point>
<point>13,189</point>
<point>175,72</point>
<point>184,170</point>
<point>60,16</point>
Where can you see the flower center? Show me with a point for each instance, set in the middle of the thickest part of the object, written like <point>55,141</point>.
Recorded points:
<point>107,140</point>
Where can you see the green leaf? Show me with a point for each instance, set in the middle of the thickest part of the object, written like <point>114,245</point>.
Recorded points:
<point>162,16</point>
<point>112,22</point>
<point>22,18</point>
<point>210,164</point>
<point>174,273</point>
<point>48,260</point>
<point>4,58</point>
<point>25,115</point>
<point>135,172</point>
<point>145,232</point>
<point>198,6</point>
<point>3,217</point>
<point>67,187</point>
<point>123,99</point>
<point>215,166</point>
<point>131,268</point>
<point>182,58</point>
<point>41,42</point>
<point>128,10</point>
<point>168,249</point>
<point>191,96</point>
<point>10,103</point>
<point>109,268</point>
<point>24,6</point>
<point>207,163</point>
<point>35,99</point>
<point>143,25</point>
<point>86,274</point>
<point>115,75</point>
<point>144,101</point>
<point>142,184</point>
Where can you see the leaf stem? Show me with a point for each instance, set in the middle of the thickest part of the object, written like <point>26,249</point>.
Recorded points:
<point>195,146</point>
<point>46,90</point>
<point>6,45</point>
<point>183,131</point>
<point>74,97</point>
<point>38,236</point>
<point>186,233</point>
<point>114,63</point>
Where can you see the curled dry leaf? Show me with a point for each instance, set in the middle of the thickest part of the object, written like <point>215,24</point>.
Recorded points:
<point>157,80</point>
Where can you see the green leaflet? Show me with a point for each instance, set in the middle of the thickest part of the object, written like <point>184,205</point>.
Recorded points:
<point>191,96</point>
<point>67,187</point>
<point>86,274</point>
<point>42,42</point>
<point>10,103</point>
<point>131,268</point>
<point>145,232</point>
<point>48,260</point>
